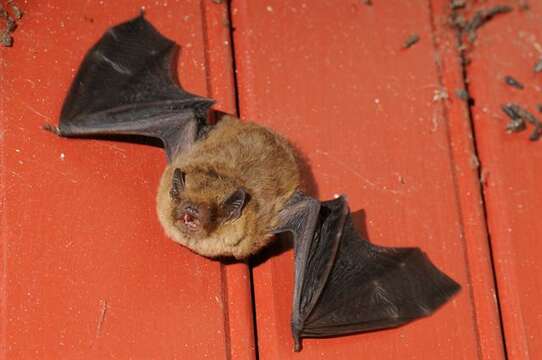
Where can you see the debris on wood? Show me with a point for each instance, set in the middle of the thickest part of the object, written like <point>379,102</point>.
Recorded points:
<point>462,94</point>
<point>538,66</point>
<point>5,35</point>
<point>17,13</point>
<point>440,94</point>
<point>411,40</point>
<point>481,17</point>
<point>513,82</point>
<point>458,4</point>
<point>101,317</point>
<point>458,21</point>
<point>517,123</point>
<point>515,126</point>
<point>367,2</point>
<point>537,132</point>
<point>526,115</point>
<point>6,38</point>
<point>474,161</point>
<point>510,111</point>
<point>3,13</point>
<point>519,116</point>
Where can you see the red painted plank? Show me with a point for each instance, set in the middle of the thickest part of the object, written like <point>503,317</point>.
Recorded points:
<point>86,270</point>
<point>333,78</point>
<point>467,179</point>
<point>511,45</point>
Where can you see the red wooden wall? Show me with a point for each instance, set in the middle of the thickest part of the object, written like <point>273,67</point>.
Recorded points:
<point>87,272</point>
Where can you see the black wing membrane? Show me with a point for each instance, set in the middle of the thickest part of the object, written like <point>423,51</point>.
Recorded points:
<point>348,285</point>
<point>126,85</point>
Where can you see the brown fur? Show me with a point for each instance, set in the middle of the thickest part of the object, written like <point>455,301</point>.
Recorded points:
<point>234,155</point>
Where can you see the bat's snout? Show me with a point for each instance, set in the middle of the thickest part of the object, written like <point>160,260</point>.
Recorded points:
<point>189,217</point>
<point>190,222</point>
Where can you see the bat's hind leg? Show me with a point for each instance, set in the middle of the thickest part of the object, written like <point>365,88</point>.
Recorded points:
<point>299,217</point>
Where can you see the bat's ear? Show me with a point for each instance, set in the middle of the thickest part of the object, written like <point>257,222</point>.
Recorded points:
<point>233,206</point>
<point>177,185</point>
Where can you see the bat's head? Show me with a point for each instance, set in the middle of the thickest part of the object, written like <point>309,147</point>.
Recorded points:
<point>197,212</point>
<point>195,206</point>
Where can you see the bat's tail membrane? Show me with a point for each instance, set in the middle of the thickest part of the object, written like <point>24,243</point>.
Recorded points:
<point>358,286</point>
<point>126,85</point>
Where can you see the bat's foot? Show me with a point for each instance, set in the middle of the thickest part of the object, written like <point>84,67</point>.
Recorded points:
<point>51,128</point>
<point>297,344</point>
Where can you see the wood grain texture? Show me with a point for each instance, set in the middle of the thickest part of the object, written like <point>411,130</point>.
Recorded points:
<point>87,271</point>
<point>371,121</point>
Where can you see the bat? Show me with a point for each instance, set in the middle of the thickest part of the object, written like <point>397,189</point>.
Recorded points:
<point>230,187</point>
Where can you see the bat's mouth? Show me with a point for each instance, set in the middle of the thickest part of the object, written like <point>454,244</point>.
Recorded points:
<point>190,221</point>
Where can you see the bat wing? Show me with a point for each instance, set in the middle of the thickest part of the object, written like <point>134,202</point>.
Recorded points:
<point>126,85</point>
<point>344,284</point>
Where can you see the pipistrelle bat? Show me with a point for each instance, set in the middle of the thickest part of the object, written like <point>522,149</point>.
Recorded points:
<point>228,188</point>
<point>223,196</point>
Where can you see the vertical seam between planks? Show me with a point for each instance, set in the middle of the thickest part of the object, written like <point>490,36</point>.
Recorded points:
<point>254,322</point>
<point>473,142</point>
<point>205,32</point>
<point>225,310</point>
<point>465,83</point>
<point>234,64</point>
<point>513,328</point>
<point>223,275</point>
<point>459,209</point>
<point>238,112</point>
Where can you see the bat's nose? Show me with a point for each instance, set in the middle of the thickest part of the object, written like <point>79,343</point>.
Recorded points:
<point>189,219</point>
<point>191,210</point>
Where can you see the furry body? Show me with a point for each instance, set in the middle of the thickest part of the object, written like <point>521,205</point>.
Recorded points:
<point>233,155</point>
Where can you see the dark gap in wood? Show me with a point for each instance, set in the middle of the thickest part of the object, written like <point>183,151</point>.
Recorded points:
<point>204,26</point>
<point>225,309</point>
<point>462,49</point>
<point>234,58</point>
<point>445,114</point>
<point>223,275</point>
<point>231,28</point>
